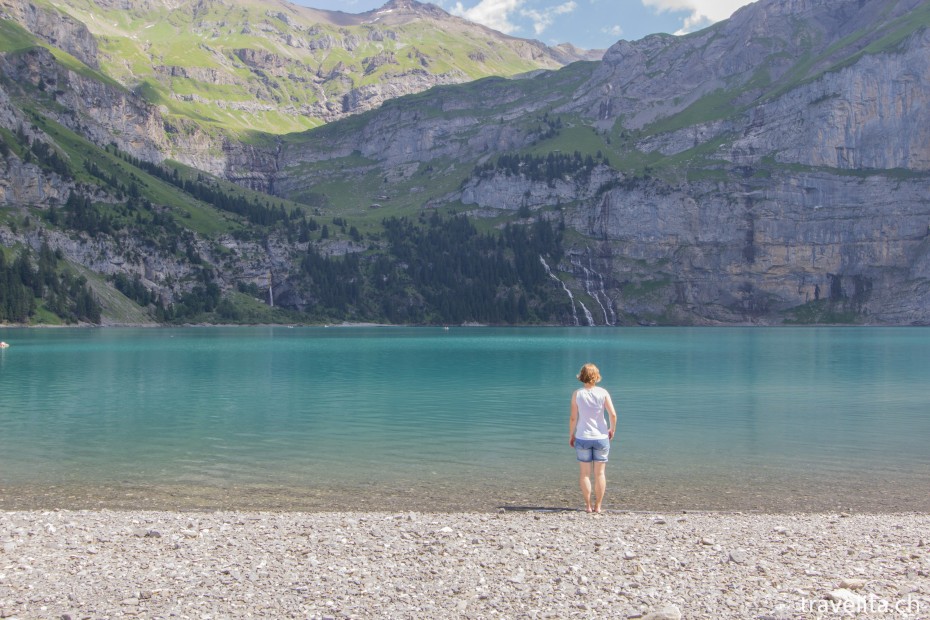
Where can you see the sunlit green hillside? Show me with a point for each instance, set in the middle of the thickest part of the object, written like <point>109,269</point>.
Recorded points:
<point>275,67</point>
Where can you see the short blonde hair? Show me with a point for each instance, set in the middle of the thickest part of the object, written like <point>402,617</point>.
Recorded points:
<point>589,374</point>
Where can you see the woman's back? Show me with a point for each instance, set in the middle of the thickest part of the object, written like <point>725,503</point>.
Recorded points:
<point>591,421</point>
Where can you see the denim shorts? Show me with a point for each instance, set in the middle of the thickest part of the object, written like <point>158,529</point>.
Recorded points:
<point>592,450</point>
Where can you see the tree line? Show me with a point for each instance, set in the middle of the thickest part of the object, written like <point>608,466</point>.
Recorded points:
<point>22,284</point>
<point>439,270</point>
<point>555,165</point>
<point>253,210</point>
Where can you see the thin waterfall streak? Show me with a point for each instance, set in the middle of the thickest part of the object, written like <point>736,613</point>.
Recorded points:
<point>601,290</point>
<point>564,288</point>
<point>594,294</point>
<point>610,306</point>
<point>587,314</point>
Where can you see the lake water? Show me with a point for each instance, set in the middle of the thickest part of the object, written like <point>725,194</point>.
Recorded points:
<point>466,418</point>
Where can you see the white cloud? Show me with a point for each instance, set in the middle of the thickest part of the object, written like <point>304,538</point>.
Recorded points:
<point>498,14</point>
<point>614,31</point>
<point>702,12</point>
<point>543,19</point>
<point>491,13</point>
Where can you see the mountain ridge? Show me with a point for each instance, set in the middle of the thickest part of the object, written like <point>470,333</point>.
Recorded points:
<point>769,169</point>
<point>706,157</point>
<point>324,55</point>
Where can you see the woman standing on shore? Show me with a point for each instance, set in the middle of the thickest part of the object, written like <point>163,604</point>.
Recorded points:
<point>590,435</point>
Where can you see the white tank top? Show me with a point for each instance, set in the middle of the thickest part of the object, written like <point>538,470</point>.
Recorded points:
<point>591,422</point>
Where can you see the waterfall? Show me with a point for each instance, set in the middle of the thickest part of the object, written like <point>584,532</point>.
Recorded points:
<point>587,313</point>
<point>571,297</point>
<point>598,293</point>
<point>593,293</point>
<point>270,289</point>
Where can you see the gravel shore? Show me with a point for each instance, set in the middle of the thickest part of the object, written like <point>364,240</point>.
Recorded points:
<point>557,564</point>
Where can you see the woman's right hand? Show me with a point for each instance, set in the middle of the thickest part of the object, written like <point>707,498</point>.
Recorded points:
<point>571,441</point>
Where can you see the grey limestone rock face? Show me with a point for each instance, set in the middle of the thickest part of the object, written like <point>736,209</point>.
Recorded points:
<point>874,114</point>
<point>818,139</point>
<point>102,112</point>
<point>56,28</point>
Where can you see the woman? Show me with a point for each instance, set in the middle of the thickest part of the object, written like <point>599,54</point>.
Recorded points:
<point>589,434</point>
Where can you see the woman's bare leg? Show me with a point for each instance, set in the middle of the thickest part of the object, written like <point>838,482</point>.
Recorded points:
<point>584,481</point>
<point>600,484</point>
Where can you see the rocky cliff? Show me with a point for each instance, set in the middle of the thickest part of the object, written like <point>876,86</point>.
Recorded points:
<point>100,110</point>
<point>216,74</point>
<point>772,167</point>
<point>55,28</point>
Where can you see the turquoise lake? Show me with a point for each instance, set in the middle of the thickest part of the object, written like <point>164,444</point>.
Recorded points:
<point>463,419</point>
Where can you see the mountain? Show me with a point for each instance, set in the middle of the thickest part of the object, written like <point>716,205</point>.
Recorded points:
<point>770,169</point>
<point>117,142</point>
<point>275,67</point>
<point>219,73</point>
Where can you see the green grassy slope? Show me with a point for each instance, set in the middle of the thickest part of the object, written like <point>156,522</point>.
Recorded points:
<point>253,66</point>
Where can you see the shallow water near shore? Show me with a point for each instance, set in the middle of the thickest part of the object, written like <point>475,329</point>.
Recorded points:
<point>770,419</point>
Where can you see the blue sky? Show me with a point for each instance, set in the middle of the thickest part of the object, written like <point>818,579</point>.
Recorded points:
<point>589,24</point>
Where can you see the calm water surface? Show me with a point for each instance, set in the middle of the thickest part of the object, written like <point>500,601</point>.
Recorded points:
<point>420,418</point>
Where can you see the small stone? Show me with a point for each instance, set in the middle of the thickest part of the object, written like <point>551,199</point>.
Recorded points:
<point>519,576</point>
<point>447,530</point>
<point>129,601</point>
<point>738,556</point>
<point>669,612</point>
<point>908,588</point>
<point>153,534</point>
<point>708,541</point>
<point>581,591</point>
<point>852,584</point>
<point>659,521</point>
<point>847,598</point>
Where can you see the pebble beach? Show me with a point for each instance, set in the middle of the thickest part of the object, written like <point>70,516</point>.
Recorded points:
<point>506,564</point>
